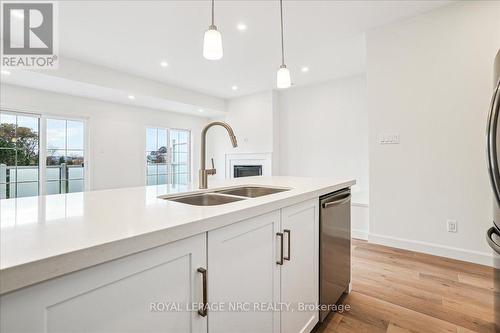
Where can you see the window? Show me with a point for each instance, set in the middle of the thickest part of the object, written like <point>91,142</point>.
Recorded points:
<point>19,158</point>
<point>64,156</point>
<point>167,156</point>
<point>180,148</point>
<point>26,170</point>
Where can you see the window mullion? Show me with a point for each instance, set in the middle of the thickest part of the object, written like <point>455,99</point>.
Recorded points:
<point>168,164</point>
<point>16,160</point>
<point>158,146</point>
<point>42,154</point>
<point>66,171</point>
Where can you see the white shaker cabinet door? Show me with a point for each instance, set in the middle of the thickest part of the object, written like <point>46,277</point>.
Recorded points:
<point>118,296</point>
<point>243,269</point>
<point>300,271</point>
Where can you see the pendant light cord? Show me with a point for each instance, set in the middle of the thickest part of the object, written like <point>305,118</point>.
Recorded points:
<point>282,42</point>
<point>213,12</point>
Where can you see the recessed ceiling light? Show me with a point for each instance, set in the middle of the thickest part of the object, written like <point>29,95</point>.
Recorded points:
<point>131,97</point>
<point>164,64</point>
<point>201,110</point>
<point>5,72</point>
<point>305,69</point>
<point>241,27</point>
<point>234,87</point>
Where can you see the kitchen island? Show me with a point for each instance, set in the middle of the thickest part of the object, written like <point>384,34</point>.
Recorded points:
<point>127,258</point>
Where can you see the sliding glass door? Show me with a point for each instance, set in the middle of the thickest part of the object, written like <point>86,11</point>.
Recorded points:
<point>64,156</point>
<point>179,162</point>
<point>167,156</point>
<point>26,170</point>
<point>19,155</point>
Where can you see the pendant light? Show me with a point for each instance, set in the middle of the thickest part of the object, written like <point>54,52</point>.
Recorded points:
<point>212,41</point>
<point>283,79</point>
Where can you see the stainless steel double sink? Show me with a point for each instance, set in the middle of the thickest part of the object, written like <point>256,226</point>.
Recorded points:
<point>224,196</point>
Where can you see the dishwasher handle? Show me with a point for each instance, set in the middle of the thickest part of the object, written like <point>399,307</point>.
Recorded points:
<point>337,202</point>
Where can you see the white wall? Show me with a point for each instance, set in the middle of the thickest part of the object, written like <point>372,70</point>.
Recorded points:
<point>252,119</point>
<point>117,132</point>
<point>324,132</point>
<point>429,78</point>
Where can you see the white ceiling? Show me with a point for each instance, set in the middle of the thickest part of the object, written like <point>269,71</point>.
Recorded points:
<point>134,36</point>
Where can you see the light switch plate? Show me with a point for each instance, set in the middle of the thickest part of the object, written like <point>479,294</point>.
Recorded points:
<point>388,139</point>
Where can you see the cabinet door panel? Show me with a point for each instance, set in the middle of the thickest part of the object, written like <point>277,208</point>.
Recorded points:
<point>300,274</point>
<point>119,296</point>
<point>242,268</point>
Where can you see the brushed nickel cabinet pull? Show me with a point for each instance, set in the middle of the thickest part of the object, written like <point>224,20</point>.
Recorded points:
<point>280,235</point>
<point>203,312</point>
<point>288,235</point>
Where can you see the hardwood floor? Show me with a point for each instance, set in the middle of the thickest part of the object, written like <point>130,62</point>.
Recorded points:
<point>395,290</point>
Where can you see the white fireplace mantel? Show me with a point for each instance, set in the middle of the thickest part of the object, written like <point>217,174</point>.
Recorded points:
<point>264,159</point>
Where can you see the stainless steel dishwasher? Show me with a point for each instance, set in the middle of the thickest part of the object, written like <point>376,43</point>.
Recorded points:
<point>335,248</point>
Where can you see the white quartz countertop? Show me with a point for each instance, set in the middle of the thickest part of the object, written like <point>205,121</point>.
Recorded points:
<point>48,236</point>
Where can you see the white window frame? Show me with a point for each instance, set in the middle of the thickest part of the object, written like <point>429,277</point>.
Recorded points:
<point>42,140</point>
<point>189,159</point>
<point>168,129</point>
<point>86,146</point>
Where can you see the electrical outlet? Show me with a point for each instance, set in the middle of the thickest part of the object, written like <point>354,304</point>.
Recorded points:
<point>452,225</point>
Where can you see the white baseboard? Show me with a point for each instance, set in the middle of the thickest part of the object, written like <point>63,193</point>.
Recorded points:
<point>476,257</point>
<point>359,234</point>
<point>360,215</point>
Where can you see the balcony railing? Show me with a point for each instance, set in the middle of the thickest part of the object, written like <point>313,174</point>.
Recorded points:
<point>23,181</point>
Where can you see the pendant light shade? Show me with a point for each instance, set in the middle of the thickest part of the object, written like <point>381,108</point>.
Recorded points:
<point>212,41</point>
<point>283,79</point>
<point>212,44</point>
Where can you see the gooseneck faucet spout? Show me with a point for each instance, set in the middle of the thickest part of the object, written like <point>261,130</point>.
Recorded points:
<point>204,172</point>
